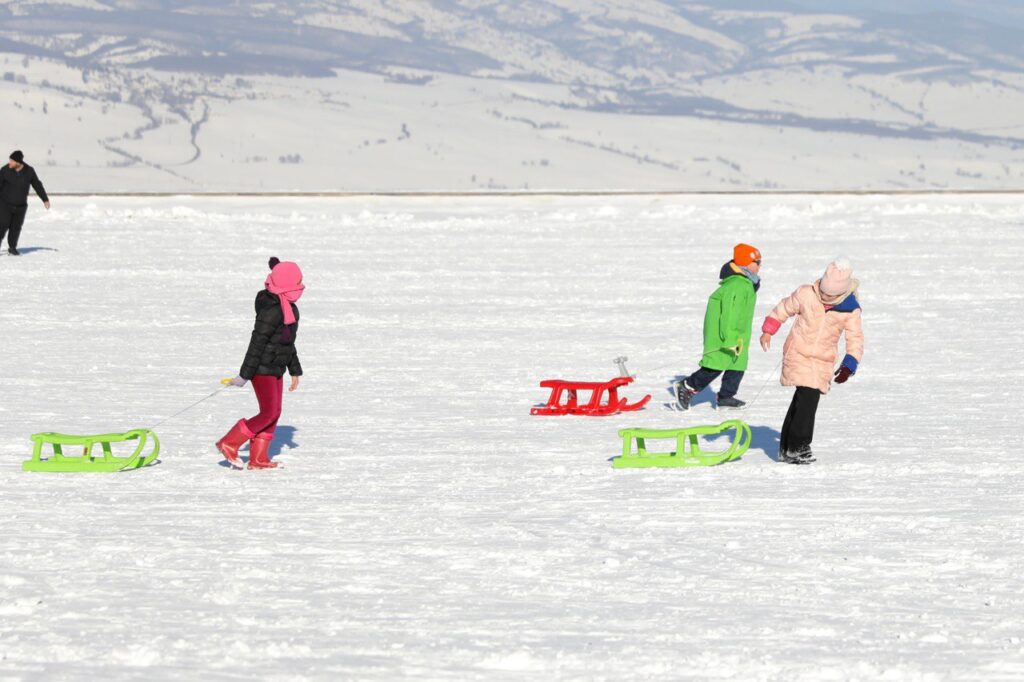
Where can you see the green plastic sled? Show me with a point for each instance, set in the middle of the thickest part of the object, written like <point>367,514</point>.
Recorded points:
<point>695,457</point>
<point>87,462</point>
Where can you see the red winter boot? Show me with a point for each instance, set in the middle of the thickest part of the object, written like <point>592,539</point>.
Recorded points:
<point>258,457</point>
<point>229,444</point>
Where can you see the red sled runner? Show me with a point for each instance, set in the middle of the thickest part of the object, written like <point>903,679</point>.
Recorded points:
<point>596,406</point>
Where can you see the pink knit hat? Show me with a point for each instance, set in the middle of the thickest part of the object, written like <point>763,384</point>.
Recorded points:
<point>838,278</point>
<point>285,280</point>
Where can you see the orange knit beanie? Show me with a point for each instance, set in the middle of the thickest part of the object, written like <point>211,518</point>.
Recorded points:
<point>745,254</point>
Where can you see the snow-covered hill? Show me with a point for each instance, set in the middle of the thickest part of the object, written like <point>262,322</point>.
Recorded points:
<point>578,94</point>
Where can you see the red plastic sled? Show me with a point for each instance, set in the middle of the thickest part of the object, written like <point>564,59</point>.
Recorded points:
<point>596,406</point>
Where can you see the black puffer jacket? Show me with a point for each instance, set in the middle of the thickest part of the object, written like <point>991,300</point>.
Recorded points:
<point>267,353</point>
<point>14,185</point>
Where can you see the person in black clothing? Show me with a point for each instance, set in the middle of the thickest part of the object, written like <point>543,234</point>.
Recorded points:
<point>271,352</point>
<point>15,179</point>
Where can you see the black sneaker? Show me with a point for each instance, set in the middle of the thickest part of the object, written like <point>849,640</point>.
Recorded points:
<point>13,252</point>
<point>801,456</point>
<point>683,395</point>
<point>731,402</point>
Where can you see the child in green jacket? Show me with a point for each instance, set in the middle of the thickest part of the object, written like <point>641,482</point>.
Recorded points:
<point>727,325</point>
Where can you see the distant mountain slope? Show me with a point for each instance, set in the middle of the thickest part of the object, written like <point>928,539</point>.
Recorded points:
<point>234,95</point>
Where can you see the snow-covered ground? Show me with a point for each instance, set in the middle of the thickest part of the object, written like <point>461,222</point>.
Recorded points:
<point>424,526</point>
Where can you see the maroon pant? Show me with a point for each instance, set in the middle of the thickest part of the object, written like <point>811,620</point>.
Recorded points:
<point>269,393</point>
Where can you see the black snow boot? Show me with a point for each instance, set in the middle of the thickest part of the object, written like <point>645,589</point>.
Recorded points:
<point>683,395</point>
<point>731,402</point>
<point>800,456</point>
<point>13,252</point>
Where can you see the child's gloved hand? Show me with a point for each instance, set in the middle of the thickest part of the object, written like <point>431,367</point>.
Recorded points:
<point>846,370</point>
<point>238,381</point>
<point>736,349</point>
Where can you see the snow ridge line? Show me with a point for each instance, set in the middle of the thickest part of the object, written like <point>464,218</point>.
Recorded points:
<point>561,193</point>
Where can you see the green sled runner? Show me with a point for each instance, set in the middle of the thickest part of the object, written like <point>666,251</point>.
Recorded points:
<point>103,461</point>
<point>681,457</point>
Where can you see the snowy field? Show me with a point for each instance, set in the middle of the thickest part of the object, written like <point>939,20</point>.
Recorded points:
<point>425,527</point>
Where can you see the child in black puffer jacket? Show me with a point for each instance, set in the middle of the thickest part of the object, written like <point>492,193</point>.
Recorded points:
<point>271,351</point>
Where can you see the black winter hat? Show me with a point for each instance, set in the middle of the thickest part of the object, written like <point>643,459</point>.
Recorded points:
<point>18,156</point>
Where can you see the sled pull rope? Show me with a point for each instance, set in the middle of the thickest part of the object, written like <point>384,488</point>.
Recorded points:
<point>622,367</point>
<point>181,412</point>
<point>763,386</point>
<point>620,362</point>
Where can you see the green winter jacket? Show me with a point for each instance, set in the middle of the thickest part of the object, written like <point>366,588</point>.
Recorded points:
<point>727,323</point>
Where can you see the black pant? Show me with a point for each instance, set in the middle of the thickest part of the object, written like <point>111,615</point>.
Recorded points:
<point>798,429</point>
<point>11,220</point>
<point>700,379</point>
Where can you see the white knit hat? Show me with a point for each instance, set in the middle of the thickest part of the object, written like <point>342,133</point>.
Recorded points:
<point>838,277</point>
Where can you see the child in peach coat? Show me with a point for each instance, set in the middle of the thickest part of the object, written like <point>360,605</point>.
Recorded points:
<point>825,311</point>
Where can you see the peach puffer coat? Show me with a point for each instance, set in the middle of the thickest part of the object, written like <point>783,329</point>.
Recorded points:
<point>810,351</point>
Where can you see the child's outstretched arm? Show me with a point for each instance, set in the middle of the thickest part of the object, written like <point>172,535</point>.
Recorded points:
<point>854,334</point>
<point>787,308</point>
